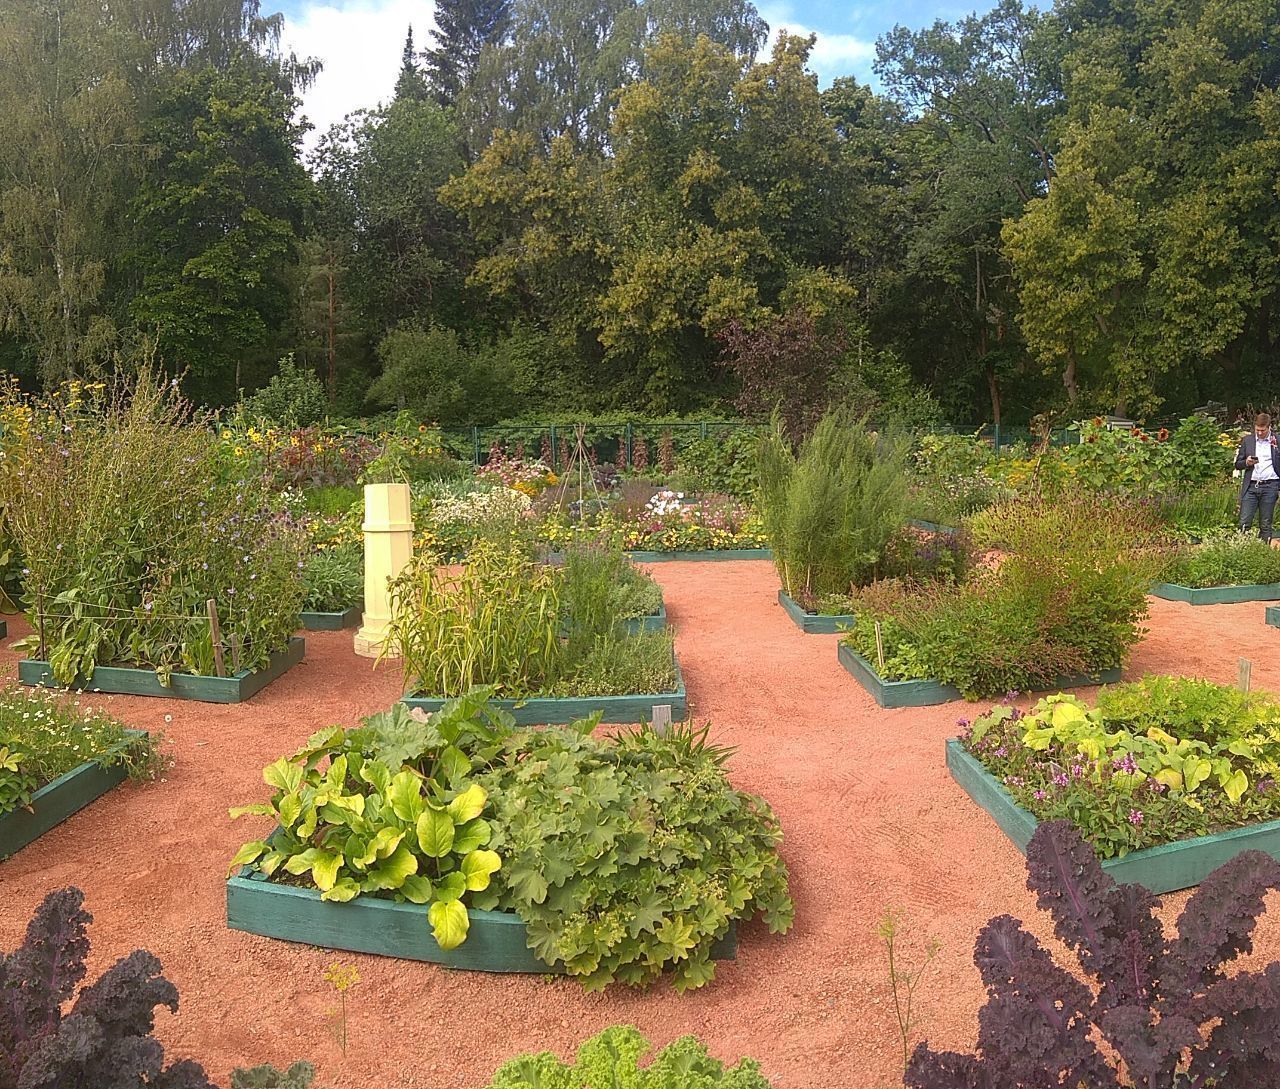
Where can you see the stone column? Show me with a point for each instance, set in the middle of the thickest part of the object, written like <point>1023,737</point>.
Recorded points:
<point>388,547</point>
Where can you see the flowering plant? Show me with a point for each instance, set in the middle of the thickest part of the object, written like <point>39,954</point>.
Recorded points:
<point>1163,759</point>
<point>528,477</point>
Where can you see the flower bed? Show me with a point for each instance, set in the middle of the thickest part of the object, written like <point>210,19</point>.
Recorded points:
<point>814,623</point>
<point>1216,595</point>
<point>927,693</point>
<point>1169,776</point>
<point>331,621</point>
<point>55,758</point>
<point>236,688</point>
<point>613,858</point>
<point>1224,568</point>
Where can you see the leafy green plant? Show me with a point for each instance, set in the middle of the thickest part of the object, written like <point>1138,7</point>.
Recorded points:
<point>358,826</point>
<point>334,578</point>
<point>620,665</point>
<point>1201,512</point>
<point>830,510</point>
<point>44,735</point>
<point>612,1060</point>
<point>299,1075</point>
<point>332,500</point>
<point>294,397</point>
<point>130,522</point>
<point>1226,559</point>
<point>496,621</point>
<point>629,856</point>
<point>1067,597</point>
<point>1158,760</point>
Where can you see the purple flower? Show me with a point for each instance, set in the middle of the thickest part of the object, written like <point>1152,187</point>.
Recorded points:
<point>1135,817</point>
<point>1156,785</point>
<point>1059,779</point>
<point>1128,765</point>
<point>1040,795</point>
<point>1001,751</point>
<point>962,723</point>
<point>1265,785</point>
<point>1077,771</point>
<point>1009,697</point>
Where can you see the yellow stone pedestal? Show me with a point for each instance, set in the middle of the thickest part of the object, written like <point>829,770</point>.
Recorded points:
<point>388,547</point>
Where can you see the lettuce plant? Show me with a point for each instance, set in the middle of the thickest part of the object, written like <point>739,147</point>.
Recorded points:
<point>612,1059</point>
<point>1164,1009</point>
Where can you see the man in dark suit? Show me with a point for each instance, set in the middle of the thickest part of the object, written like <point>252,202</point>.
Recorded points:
<point>1259,457</point>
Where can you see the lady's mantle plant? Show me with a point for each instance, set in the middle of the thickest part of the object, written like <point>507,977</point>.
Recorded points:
<point>1143,1010</point>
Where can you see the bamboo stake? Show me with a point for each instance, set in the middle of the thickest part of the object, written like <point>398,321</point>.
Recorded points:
<point>879,648</point>
<point>215,633</point>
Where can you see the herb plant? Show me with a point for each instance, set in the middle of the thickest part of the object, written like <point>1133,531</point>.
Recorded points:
<point>831,508</point>
<point>613,1059</point>
<point>629,856</point>
<point>1226,559</point>
<point>620,665</point>
<point>1159,760</point>
<point>334,579</point>
<point>1165,1008</point>
<point>130,521</point>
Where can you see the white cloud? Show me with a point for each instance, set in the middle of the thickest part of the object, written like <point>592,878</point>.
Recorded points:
<point>833,55</point>
<point>360,44</point>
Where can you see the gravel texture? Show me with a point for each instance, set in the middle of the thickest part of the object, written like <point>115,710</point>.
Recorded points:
<point>871,820</point>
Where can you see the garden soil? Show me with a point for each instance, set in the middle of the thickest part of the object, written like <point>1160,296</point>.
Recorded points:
<point>872,824</point>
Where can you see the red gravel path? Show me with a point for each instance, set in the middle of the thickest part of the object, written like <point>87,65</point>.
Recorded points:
<point>871,818</point>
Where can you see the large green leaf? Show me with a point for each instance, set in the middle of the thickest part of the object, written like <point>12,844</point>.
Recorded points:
<point>435,833</point>
<point>250,852</point>
<point>324,870</point>
<point>343,890</point>
<point>392,871</point>
<point>451,886</point>
<point>405,795</point>
<point>471,835</point>
<point>449,923</point>
<point>283,775</point>
<point>468,805</point>
<point>477,867</point>
<point>257,809</point>
<point>416,889</point>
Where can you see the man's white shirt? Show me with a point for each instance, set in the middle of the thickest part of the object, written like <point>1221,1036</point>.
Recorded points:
<point>1265,469</point>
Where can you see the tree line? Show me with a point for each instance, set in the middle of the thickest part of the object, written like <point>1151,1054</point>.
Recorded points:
<point>590,205</point>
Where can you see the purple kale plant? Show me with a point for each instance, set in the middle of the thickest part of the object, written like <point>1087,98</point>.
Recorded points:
<point>104,1041</point>
<point>1164,1010</point>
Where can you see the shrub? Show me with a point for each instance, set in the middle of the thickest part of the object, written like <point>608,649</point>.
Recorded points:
<point>830,510</point>
<point>129,522</point>
<point>625,856</point>
<point>293,398</point>
<point>334,579</point>
<point>1140,1010</point>
<point>1068,597</point>
<point>1203,511</point>
<point>613,1059</point>
<point>1227,559</point>
<point>1163,759</point>
<point>44,735</point>
<point>620,665</point>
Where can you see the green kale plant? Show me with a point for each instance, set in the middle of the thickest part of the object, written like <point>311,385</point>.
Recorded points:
<point>612,1060</point>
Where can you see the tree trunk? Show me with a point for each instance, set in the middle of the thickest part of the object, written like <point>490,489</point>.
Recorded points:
<point>993,386</point>
<point>1069,379</point>
<point>333,368</point>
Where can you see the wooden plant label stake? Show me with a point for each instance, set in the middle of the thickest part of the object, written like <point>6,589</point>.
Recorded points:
<point>235,640</point>
<point>1246,674</point>
<point>879,648</point>
<point>661,721</point>
<point>216,633</point>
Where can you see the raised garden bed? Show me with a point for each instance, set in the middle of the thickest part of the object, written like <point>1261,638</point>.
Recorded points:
<point>653,622</point>
<point>706,554</point>
<point>931,527</point>
<point>497,941</point>
<point>560,710</point>
<point>1216,595</point>
<point>54,802</point>
<point>1166,868</point>
<point>183,686</point>
<point>349,618</point>
<point>813,623</point>
<point>928,693</point>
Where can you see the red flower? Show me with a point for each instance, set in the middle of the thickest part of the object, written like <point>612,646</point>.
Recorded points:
<point>1163,434</point>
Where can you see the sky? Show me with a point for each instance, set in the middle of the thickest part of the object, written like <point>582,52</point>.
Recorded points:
<point>360,41</point>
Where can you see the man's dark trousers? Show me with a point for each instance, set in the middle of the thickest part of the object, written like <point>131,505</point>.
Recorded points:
<point>1259,497</point>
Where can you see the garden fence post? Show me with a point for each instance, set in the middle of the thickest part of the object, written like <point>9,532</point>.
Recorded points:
<point>997,440</point>
<point>388,548</point>
<point>475,446</point>
<point>215,635</point>
<point>552,466</point>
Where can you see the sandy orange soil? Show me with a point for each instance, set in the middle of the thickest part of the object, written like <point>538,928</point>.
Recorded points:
<point>871,819</point>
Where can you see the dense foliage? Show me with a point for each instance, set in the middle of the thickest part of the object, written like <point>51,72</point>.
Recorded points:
<point>626,856</point>
<point>1140,1009</point>
<point>43,736</point>
<point>1162,759</point>
<point>1062,592</point>
<point>503,618</point>
<point>831,507</point>
<point>616,1058</point>
<point>129,521</point>
<point>1231,559</point>
<point>569,207</point>
<point>334,579</point>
